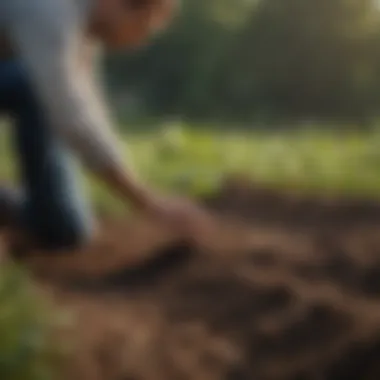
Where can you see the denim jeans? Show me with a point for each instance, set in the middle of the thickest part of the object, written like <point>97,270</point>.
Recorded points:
<point>53,206</point>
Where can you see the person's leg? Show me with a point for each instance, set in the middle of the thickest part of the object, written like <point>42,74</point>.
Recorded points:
<point>54,208</point>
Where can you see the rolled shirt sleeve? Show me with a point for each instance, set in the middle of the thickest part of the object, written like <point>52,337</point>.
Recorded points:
<point>48,36</point>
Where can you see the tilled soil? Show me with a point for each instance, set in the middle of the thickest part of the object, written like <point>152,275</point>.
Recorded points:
<point>290,290</point>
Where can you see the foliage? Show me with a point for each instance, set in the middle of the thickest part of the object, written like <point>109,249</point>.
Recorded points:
<point>312,57</point>
<point>255,59</point>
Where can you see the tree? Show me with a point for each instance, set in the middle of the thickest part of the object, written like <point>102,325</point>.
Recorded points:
<point>311,56</point>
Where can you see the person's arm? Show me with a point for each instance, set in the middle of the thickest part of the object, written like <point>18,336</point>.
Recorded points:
<point>48,37</point>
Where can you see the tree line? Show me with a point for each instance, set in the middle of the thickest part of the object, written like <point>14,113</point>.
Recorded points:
<point>257,60</point>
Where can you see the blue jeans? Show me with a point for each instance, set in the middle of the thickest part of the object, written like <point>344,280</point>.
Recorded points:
<point>53,205</point>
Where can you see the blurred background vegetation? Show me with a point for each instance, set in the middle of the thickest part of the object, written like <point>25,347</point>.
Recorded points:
<point>264,61</point>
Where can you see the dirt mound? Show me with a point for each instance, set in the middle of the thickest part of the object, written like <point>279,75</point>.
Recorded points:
<point>291,293</point>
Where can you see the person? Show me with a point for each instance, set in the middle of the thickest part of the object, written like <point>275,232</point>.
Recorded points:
<point>48,88</point>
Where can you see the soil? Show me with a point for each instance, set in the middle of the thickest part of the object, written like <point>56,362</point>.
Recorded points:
<point>280,286</point>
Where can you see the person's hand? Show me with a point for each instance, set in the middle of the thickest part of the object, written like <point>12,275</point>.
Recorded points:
<point>180,215</point>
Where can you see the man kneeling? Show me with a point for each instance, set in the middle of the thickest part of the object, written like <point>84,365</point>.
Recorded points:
<point>47,87</point>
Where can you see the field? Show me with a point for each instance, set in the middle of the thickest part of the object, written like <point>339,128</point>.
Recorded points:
<point>284,283</point>
<point>196,160</point>
<point>177,157</point>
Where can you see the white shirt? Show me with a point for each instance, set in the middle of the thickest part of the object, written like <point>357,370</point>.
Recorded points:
<point>49,37</point>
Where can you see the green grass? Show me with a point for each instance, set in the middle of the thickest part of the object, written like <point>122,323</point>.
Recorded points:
<point>318,161</point>
<point>179,158</point>
<point>194,161</point>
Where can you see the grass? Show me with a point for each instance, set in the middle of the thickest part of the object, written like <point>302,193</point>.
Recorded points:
<point>179,158</point>
<point>316,161</point>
